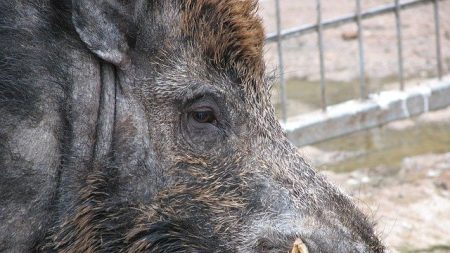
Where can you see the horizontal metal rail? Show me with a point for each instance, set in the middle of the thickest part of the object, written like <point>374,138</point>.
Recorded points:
<point>295,31</point>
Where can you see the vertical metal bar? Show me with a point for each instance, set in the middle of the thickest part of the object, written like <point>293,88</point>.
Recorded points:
<point>362,77</point>
<point>321,52</point>
<point>438,38</point>
<point>399,44</point>
<point>281,63</point>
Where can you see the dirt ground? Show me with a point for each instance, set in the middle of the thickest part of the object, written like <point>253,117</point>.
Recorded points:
<point>412,208</point>
<point>410,201</point>
<point>341,47</point>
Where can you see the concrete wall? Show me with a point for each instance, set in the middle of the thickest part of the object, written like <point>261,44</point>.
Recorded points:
<point>356,115</point>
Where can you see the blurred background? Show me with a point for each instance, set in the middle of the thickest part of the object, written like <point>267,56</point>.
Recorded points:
<point>364,92</point>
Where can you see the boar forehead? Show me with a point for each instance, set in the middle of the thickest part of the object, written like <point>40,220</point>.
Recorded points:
<point>225,36</point>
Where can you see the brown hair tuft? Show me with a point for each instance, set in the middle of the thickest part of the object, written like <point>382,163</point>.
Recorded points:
<point>228,33</point>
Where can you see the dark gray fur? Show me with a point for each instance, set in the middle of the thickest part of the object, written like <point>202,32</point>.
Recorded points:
<point>99,152</point>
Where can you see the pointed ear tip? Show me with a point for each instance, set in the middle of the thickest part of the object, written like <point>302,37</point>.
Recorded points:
<point>125,62</point>
<point>118,58</point>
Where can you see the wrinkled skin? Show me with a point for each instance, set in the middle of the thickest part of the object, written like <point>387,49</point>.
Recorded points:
<point>146,126</point>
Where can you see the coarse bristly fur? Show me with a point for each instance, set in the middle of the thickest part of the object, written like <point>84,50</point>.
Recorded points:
<point>146,126</point>
<point>228,33</point>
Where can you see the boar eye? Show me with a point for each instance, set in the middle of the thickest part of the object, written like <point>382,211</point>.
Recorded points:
<point>204,116</point>
<point>202,123</point>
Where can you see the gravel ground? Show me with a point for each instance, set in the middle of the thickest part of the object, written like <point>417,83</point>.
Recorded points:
<point>341,48</point>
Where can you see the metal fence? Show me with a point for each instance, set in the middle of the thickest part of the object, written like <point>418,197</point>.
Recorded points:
<point>396,7</point>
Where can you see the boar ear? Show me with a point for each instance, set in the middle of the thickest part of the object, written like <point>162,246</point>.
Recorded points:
<point>103,25</point>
